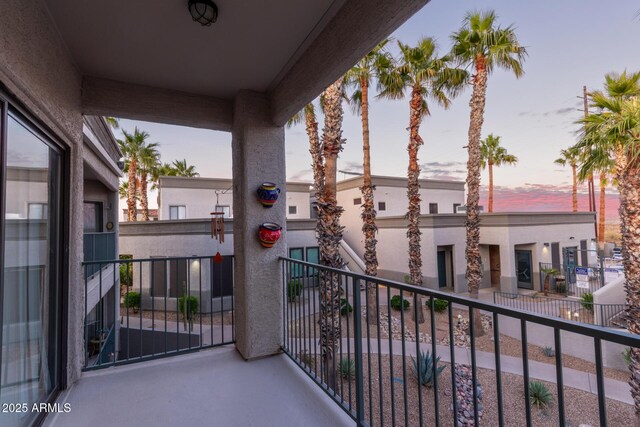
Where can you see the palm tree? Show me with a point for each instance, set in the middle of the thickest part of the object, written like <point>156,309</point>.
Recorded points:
<point>329,229</point>
<point>113,122</point>
<point>163,169</point>
<point>569,157</point>
<point>359,77</point>
<point>614,128</point>
<point>492,154</point>
<point>308,115</point>
<point>131,148</point>
<point>484,46</point>
<point>183,169</point>
<point>148,162</point>
<point>428,77</point>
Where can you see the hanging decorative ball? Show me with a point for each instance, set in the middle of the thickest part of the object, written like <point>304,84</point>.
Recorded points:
<point>217,258</point>
<point>269,234</point>
<point>268,194</point>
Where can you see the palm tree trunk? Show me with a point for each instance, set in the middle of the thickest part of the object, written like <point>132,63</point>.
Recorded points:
<point>369,228</point>
<point>474,269</point>
<point>601,216</point>
<point>144,202</point>
<point>413,195</point>
<point>330,232</point>
<point>629,183</point>
<point>131,192</point>
<point>490,187</point>
<point>316,152</point>
<point>575,187</point>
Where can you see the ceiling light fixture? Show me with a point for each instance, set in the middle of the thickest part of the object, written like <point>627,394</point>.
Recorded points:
<point>204,12</point>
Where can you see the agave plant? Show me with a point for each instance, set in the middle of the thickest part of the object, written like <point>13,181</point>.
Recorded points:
<point>347,368</point>
<point>423,368</point>
<point>539,394</point>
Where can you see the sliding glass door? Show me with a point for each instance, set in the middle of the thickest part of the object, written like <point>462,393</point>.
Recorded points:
<point>30,285</point>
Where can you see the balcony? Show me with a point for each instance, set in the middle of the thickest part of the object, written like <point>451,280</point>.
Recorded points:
<point>374,376</point>
<point>212,387</point>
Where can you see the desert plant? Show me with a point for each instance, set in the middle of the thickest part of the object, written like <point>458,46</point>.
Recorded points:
<point>548,351</point>
<point>587,301</point>
<point>439,305</point>
<point>347,368</point>
<point>398,303</point>
<point>548,274</point>
<point>423,368</point>
<point>132,300</point>
<point>294,288</point>
<point>539,394</point>
<point>188,305</point>
<point>345,307</point>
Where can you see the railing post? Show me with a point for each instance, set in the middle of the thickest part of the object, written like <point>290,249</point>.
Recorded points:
<point>357,326</point>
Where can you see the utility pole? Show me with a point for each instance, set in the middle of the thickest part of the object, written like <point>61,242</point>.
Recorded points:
<point>592,192</point>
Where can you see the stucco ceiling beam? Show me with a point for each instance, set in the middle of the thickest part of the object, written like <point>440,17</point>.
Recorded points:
<point>102,97</point>
<point>356,29</point>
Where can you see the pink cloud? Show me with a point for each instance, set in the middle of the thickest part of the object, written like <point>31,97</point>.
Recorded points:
<point>543,197</point>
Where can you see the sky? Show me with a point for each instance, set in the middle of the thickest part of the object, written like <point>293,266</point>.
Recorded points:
<point>570,43</point>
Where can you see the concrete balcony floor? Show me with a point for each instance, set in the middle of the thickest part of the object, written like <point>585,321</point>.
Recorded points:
<point>212,387</point>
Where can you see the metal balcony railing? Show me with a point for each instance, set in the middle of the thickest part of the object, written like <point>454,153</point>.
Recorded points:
<point>608,315</point>
<point>98,247</point>
<point>162,307</point>
<point>370,369</point>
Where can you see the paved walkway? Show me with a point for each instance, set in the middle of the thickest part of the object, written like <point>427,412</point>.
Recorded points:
<point>617,390</point>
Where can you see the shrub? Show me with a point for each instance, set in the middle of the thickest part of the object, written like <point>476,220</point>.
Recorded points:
<point>626,355</point>
<point>539,394</point>
<point>398,303</point>
<point>347,368</point>
<point>548,351</point>
<point>345,307</point>
<point>294,288</point>
<point>423,368</point>
<point>439,305</point>
<point>587,301</point>
<point>191,305</point>
<point>132,300</point>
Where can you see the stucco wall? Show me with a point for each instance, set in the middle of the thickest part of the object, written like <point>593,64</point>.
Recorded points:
<point>36,68</point>
<point>200,202</point>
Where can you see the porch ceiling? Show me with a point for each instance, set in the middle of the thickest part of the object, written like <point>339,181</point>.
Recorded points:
<point>147,59</point>
<point>156,43</point>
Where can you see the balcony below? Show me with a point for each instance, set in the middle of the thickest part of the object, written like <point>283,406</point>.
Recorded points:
<point>212,387</point>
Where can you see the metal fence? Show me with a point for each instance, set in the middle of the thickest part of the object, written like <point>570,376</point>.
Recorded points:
<point>140,309</point>
<point>98,247</point>
<point>608,315</point>
<point>368,370</point>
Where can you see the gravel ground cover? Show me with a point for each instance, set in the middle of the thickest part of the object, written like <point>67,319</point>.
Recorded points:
<point>581,408</point>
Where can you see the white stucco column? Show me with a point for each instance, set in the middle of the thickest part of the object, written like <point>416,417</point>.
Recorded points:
<point>258,156</point>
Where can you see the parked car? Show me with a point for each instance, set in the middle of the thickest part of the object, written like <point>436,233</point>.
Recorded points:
<point>616,254</point>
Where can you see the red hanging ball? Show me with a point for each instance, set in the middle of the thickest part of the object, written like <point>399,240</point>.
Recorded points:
<point>217,258</point>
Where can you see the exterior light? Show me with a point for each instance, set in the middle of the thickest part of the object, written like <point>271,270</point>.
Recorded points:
<point>576,315</point>
<point>204,12</point>
<point>569,314</point>
<point>546,245</point>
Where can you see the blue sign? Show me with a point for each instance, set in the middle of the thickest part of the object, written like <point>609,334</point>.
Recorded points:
<point>584,271</point>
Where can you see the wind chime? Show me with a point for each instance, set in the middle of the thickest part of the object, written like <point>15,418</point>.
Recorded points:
<point>217,232</point>
<point>217,229</point>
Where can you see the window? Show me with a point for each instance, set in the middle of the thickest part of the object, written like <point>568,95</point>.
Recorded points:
<point>296,269</point>
<point>223,208</point>
<point>382,206</point>
<point>455,207</point>
<point>92,214</point>
<point>30,286</point>
<point>433,208</point>
<point>314,210</point>
<point>357,201</point>
<point>177,212</point>
<point>37,211</point>
<point>293,210</point>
